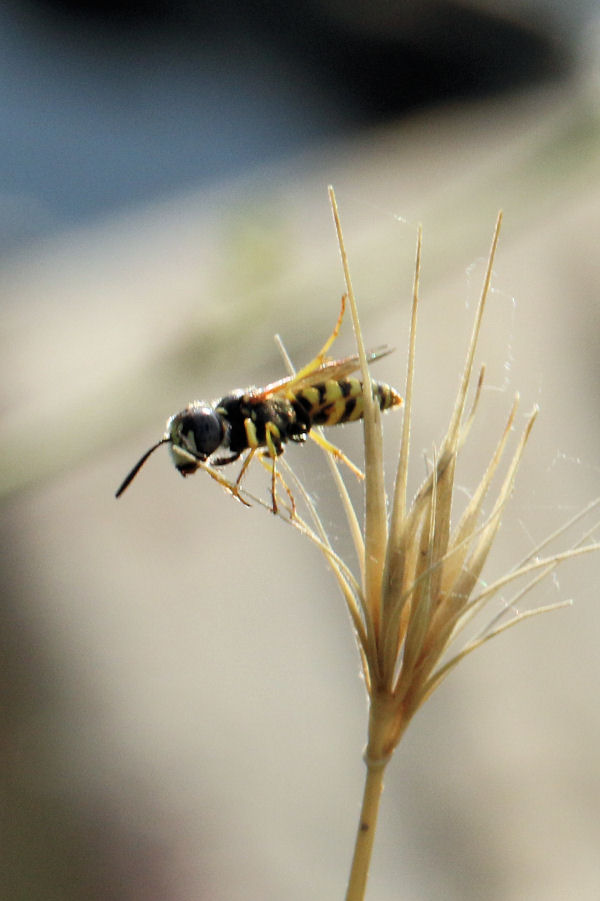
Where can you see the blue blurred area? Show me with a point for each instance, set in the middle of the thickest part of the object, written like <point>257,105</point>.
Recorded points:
<point>106,106</point>
<point>92,119</point>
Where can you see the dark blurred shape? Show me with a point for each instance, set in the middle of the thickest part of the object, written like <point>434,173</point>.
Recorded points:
<point>103,105</point>
<point>379,58</point>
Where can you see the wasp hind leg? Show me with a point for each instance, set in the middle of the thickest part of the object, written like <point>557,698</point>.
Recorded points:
<point>321,356</point>
<point>330,448</point>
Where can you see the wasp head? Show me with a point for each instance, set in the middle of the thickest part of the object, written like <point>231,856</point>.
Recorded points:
<point>194,434</point>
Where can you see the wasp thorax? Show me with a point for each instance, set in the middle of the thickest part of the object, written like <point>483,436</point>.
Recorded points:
<point>195,434</point>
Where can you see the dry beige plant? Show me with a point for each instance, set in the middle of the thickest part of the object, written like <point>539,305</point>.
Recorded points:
<point>420,573</point>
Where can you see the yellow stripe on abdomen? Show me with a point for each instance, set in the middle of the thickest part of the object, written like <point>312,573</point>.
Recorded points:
<point>334,402</point>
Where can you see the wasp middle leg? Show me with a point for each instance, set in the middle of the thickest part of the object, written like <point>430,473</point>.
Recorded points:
<point>269,463</point>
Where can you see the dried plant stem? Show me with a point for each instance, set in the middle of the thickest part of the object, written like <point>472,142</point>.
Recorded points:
<point>385,727</point>
<point>375,504</point>
<point>366,832</point>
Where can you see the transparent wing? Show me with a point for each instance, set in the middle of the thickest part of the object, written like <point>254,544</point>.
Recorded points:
<point>317,371</point>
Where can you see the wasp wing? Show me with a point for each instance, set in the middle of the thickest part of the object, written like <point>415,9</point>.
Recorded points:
<point>315,372</point>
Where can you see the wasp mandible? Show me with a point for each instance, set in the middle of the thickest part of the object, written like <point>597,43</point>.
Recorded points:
<point>322,393</point>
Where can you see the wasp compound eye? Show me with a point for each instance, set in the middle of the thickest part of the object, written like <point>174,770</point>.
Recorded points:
<point>198,430</point>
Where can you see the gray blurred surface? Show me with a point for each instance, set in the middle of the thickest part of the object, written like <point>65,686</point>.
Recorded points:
<point>184,717</point>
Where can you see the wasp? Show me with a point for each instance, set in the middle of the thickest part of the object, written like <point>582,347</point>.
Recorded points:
<point>322,393</point>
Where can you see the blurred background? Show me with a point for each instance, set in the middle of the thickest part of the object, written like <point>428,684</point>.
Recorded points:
<point>182,715</point>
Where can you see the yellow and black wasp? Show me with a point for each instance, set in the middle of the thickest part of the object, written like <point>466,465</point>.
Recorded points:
<point>322,393</point>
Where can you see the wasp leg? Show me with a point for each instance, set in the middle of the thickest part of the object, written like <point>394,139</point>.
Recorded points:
<point>233,489</point>
<point>274,448</point>
<point>336,329</point>
<point>320,358</point>
<point>245,466</point>
<point>224,461</point>
<point>326,445</point>
<point>268,462</point>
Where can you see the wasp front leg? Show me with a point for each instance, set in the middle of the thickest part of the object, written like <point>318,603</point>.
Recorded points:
<point>232,488</point>
<point>235,488</point>
<point>253,445</point>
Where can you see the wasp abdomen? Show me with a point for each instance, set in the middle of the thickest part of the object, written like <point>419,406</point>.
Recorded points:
<point>337,401</point>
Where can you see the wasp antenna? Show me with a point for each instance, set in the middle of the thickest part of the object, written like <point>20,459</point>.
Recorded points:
<point>129,478</point>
